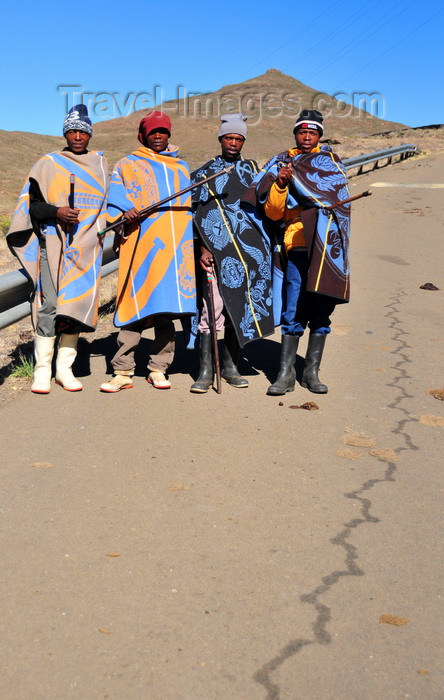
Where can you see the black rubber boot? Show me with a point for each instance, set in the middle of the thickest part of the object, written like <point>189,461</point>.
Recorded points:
<point>230,372</point>
<point>287,372</point>
<point>206,373</point>
<point>310,379</point>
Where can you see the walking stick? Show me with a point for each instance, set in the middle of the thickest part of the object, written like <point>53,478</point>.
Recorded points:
<point>367,193</point>
<point>213,329</point>
<point>156,205</point>
<point>72,183</point>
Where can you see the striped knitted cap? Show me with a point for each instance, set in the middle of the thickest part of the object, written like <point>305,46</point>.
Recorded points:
<point>78,119</point>
<point>309,119</point>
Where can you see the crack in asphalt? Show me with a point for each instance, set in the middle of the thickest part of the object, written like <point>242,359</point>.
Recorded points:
<point>321,634</point>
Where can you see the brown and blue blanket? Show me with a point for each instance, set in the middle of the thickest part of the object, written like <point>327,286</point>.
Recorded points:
<point>75,259</point>
<point>319,180</point>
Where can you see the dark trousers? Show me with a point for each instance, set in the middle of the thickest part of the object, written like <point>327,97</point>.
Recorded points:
<point>299,307</point>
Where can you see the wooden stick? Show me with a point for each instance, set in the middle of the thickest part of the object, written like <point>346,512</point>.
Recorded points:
<point>72,184</point>
<point>156,205</point>
<point>213,329</point>
<point>367,193</point>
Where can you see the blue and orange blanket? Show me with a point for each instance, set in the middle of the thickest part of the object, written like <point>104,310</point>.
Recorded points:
<point>156,261</point>
<point>74,260</point>
<point>319,180</point>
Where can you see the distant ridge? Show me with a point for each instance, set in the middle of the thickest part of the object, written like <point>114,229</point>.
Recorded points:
<point>195,119</point>
<point>271,100</point>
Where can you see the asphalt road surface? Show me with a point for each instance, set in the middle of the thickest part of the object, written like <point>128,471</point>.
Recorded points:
<point>171,546</point>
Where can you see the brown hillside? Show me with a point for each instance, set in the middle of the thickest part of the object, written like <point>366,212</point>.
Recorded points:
<point>18,152</point>
<point>272,101</point>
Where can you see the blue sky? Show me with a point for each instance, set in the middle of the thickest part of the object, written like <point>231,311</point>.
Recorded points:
<point>392,48</point>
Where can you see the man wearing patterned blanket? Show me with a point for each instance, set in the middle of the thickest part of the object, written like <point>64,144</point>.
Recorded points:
<point>240,252</point>
<point>156,281</point>
<point>295,188</point>
<point>54,235</point>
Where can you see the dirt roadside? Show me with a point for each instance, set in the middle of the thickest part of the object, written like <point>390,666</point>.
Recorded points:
<point>165,545</point>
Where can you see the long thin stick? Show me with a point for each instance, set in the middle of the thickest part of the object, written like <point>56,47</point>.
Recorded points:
<point>367,193</point>
<point>213,329</point>
<point>156,205</point>
<point>72,184</point>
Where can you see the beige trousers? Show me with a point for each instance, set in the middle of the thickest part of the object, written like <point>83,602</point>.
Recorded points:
<point>162,349</point>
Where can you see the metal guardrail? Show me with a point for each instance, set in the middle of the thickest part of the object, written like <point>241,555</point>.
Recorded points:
<point>15,288</point>
<point>408,149</point>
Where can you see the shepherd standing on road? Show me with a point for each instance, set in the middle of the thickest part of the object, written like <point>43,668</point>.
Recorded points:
<point>241,253</point>
<point>156,281</point>
<point>54,235</point>
<point>315,249</point>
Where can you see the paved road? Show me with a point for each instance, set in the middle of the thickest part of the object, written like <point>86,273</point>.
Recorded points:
<point>169,546</point>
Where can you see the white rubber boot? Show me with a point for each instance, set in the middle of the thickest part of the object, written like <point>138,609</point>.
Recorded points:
<point>43,351</point>
<point>66,354</point>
